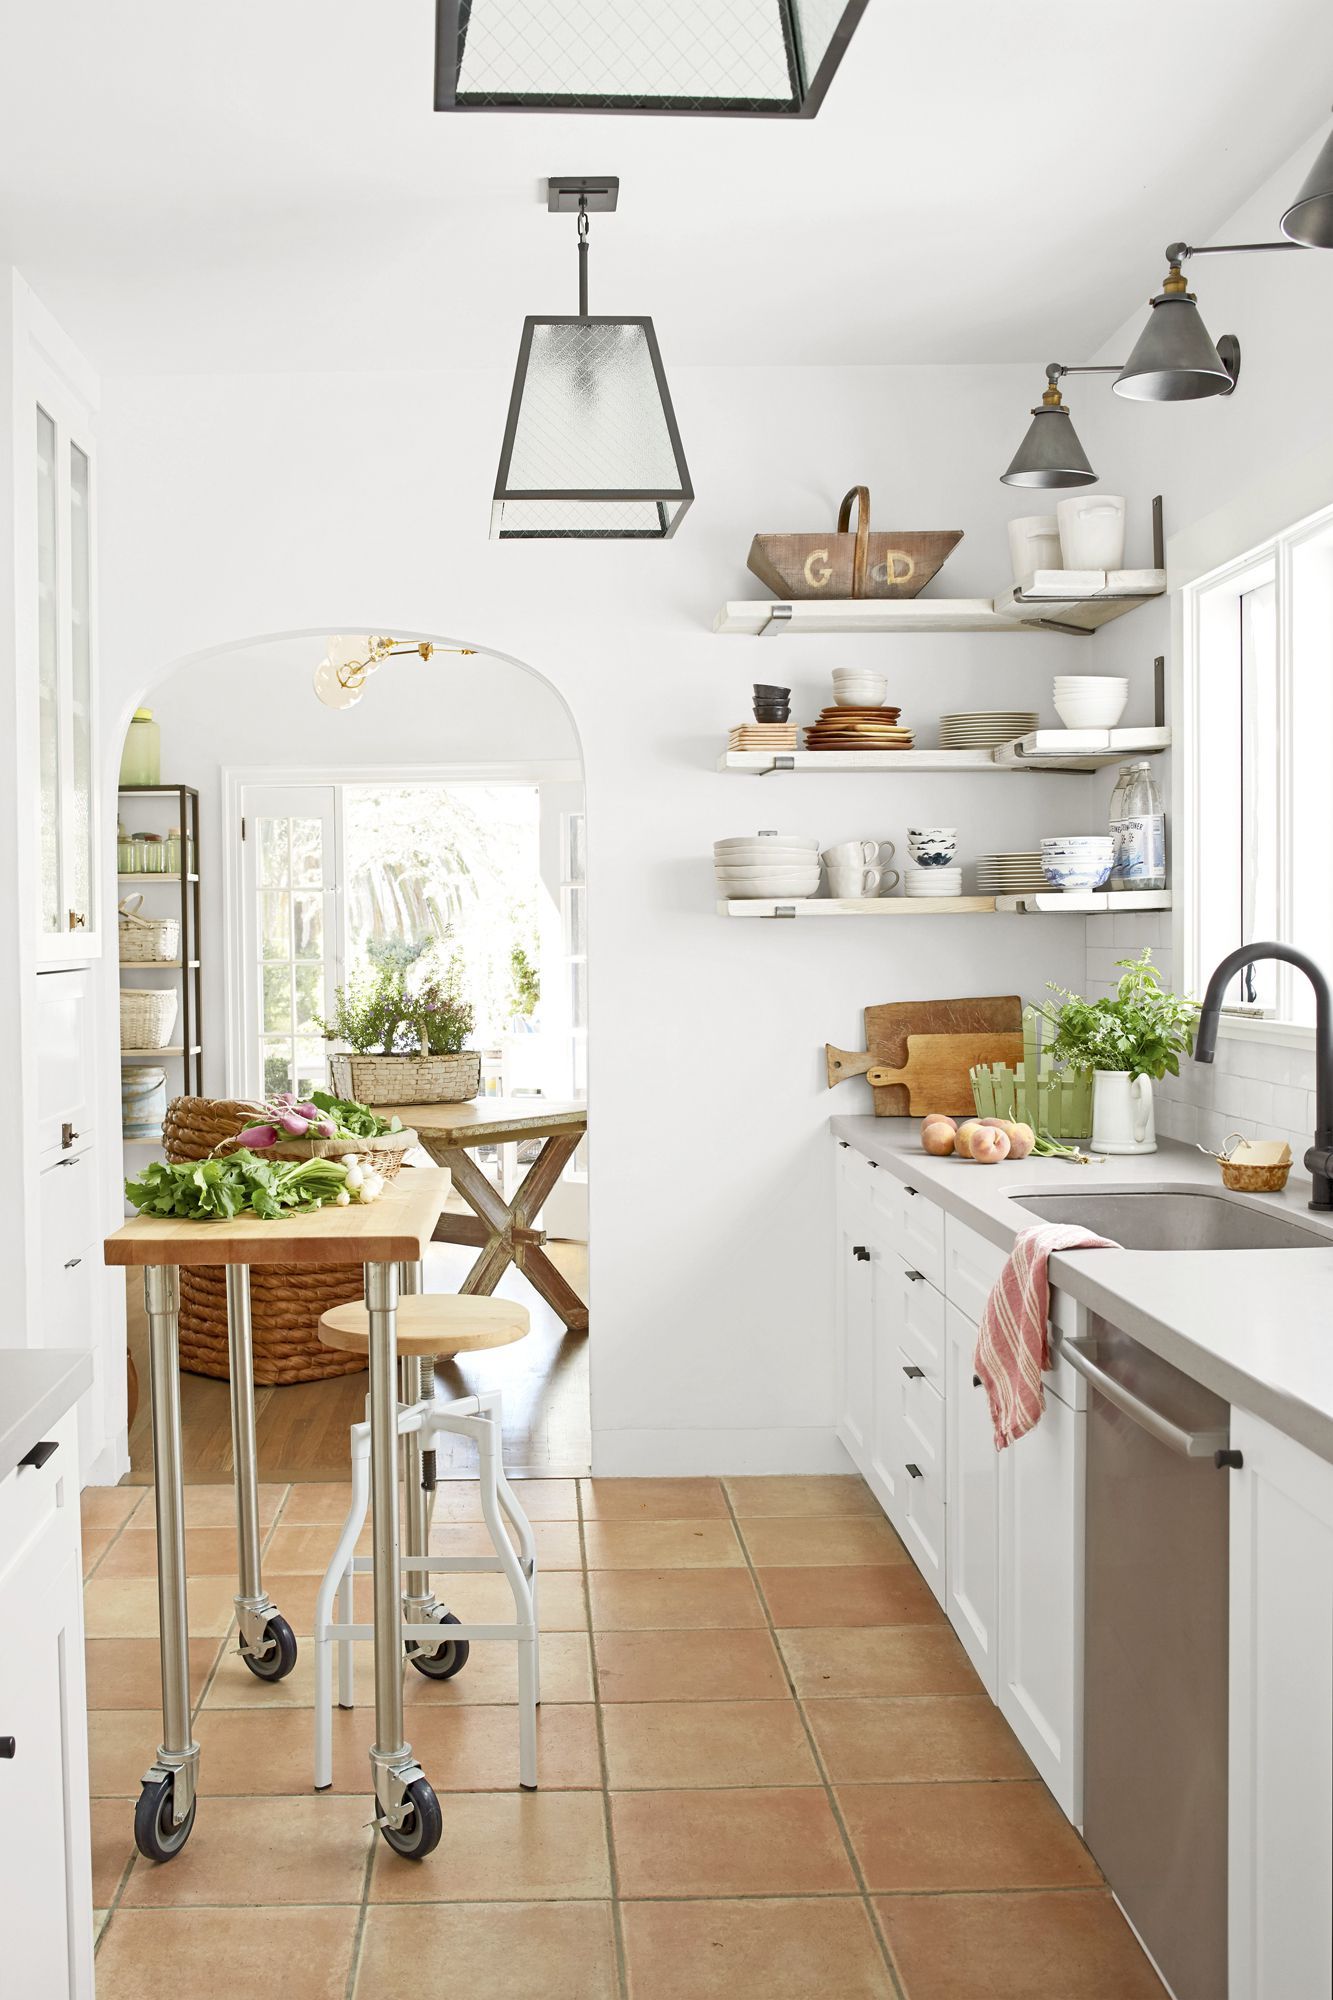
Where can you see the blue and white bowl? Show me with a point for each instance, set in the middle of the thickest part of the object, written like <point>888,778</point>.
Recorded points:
<point>932,846</point>
<point>1076,861</point>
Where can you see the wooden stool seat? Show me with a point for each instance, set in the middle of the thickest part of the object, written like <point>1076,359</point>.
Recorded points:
<point>430,1323</point>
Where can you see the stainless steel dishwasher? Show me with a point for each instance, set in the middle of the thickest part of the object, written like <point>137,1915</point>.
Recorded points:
<point>1155,1648</point>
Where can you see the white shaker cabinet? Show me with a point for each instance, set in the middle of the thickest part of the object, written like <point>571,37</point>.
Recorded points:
<point>972,1565</point>
<point>853,1304</point>
<point>1281,1729</point>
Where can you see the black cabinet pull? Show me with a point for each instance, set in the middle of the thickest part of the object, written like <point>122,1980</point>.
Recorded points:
<point>914,1471</point>
<point>914,1374</point>
<point>860,1252</point>
<point>1228,1461</point>
<point>909,1190</point>
<point>915,1277</point>
<point>976,1381</point>
<point>72,1262</point>
<point>8,1747</point>
<point>39,1454</point>
<point>843,1143</point>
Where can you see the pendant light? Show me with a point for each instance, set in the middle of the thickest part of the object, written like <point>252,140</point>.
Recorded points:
<point>1050,454</point>
<point>755,58</point>
<point>1309,220</point>
<point>341,676</point>
<point>591,450</point>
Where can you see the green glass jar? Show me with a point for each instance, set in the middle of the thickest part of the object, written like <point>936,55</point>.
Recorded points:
<point>141,759</point>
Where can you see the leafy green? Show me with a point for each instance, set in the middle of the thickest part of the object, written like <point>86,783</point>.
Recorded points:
<point>353,1120</point>
<point>403,1007</point>
<point>1143,1028</point>
<point>215,1190</point>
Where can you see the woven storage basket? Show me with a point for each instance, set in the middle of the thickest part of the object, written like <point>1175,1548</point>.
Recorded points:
<point>407,1079</point>
<point>286,1300</point>
<point>385,1154</point>
<point>147,940</point>
<point>147,1016</point>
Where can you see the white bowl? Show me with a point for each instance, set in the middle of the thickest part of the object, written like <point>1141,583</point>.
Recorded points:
<point>769,842</point>
<point>1091,711</point>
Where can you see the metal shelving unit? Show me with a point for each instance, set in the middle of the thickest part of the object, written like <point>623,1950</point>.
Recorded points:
<point>189,1051</point>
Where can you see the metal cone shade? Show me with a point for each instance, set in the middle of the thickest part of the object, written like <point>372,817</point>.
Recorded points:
<point>1050,454</point>
<point>1174,359</point>
<point>591,449</point>
<point>1310,217</point>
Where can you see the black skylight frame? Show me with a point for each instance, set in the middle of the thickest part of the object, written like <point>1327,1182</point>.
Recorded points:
<point>452,18</point>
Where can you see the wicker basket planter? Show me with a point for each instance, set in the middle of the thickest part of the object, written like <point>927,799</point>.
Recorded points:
<point>385,1154</point>
<point>407,1079</point>
<point>147,1016</point>
<point>147,940</point>
<point>286,1300</point>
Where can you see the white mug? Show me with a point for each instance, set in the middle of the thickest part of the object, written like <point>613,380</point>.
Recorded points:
<point>845,882</point>
<point>859,853</point>
<point>1122,1113</point>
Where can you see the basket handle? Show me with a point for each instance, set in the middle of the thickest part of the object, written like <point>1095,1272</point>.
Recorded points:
<point>131,905</point>
<point>861,553</point>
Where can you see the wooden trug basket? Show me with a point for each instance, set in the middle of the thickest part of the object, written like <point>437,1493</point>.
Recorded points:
<point>852,565</point>
<point>407,1079</point>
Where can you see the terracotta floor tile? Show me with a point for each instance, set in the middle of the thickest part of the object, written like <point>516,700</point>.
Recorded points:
<point>878,1660</point>
<point>662,1545</point>
<point>208,1552</point>
<point>125,1673</point>
<point>947,1836</point>
<point>517,1846</point>
<point>196,1954</point>
<point>263,1851</point>
<point>543,1499</point>
<point>653,1500</point>
<point>557,1542</point>
<point>113,1844</point>
<point>804,1950</point>
<point>122,1743</point>
<point>489,1678</point>
<point>247,1753</point>
<point>924,1738</point>
<point>727,1666</point>
<point>102,1507</point>
<point>1070,1946</point>
<point>791,1498</point>
<point>126,1607</point>
<point>674,1600</point>
<point>316,1503</point>
<point>690,1744</point>
<point>854,1543</point>
<point>483,1599</point>
<point>300,1548</point>
<point>743,1843</point>
<point>215,1506</point>
<point>892,1594</point>
<point>323,1504</point>
<point>488,1951</point>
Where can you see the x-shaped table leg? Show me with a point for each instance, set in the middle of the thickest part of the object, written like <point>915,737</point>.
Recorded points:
<point>506,1235</point>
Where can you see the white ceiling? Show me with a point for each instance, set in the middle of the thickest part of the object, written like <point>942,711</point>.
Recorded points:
<point>264,184</point>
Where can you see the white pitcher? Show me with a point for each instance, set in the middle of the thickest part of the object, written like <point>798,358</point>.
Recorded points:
<point>1122,1113</point>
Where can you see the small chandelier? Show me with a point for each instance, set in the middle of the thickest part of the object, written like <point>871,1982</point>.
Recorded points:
<point>748,58</point>
<point>591,450</point>
<point>341,676</point>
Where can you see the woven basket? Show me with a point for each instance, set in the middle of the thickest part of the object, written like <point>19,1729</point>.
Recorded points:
<point>407,1079</point>
<point>147,1016</point>
<point>147,940</point>
<point>385,1154</point>
<point>286,1300</point>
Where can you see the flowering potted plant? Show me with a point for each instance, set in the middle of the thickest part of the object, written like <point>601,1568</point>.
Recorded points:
<point>1129,1041</point>
<point>406,1029</point>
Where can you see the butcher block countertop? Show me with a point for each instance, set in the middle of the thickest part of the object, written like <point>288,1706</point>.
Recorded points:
<point>393,1230</point>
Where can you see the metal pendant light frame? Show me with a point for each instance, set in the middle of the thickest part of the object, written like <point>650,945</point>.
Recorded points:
<point>1037,467</point>
<point>807,93</point>
<point>1309,219</point>
<point>582,195</point>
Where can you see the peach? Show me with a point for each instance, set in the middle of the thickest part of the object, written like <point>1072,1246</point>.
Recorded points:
<point>937,1137</point>
<point>1021,1137</point>
<point>989,1145</point>
<point>964,1136</point>
<point>940,1118</point>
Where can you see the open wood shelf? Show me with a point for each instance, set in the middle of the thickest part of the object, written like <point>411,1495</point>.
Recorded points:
<point>1053,903</point>
<point>1036,608</point>
<point>159,965</point>
<point>1085,750</point>
<point>152,876</point>
<point>154,1055</point>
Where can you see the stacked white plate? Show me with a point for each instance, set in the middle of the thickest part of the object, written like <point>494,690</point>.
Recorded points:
<point>1018,874</point>
<point>765,865</point>
<point>982,729</point>
<point>933,882</point>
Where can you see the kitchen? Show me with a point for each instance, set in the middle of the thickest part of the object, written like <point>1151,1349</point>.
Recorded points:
<point>258,478</point>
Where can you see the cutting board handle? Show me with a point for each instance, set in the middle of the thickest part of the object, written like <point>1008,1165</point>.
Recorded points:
<point>845,1062</point>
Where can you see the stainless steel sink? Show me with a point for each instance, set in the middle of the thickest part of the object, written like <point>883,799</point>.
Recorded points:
<point>1176,1219</point>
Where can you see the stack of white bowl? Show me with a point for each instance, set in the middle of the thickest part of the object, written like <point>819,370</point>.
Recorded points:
<point>1076,860</point>
<point>857,687</point>
<point>933,882</point>
<point>766,865</point>
<point>1090,701</point>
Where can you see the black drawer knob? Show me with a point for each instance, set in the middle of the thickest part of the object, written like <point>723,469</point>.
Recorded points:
<point>914,1472</point>
<point>39,1454</point>
<point>976,1381</point>
<point>1228,1461</point>
<point>8,1747</point>
<point>860,1252</point>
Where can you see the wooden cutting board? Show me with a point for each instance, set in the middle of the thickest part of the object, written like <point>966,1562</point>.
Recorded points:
<point>935,1073</point>
<point>889,1025</point>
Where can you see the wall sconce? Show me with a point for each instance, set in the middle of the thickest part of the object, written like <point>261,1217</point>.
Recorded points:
<point>1050,454</point>
<point>341,676</point>
<point>1174,359</point>
<point>1309,220</point>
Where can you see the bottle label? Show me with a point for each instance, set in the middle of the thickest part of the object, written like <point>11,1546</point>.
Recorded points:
<point>1140,848</point>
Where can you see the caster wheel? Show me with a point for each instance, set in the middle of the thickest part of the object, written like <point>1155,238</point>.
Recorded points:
<point>280,1658</point>
<point>155,1833</point>
<point>420,1831</point>
<point>442,1662</point>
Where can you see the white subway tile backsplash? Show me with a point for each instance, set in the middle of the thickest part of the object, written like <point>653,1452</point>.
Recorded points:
<point>1101,930</point>
<point>1288,1107</point>
<point>1102,963</point>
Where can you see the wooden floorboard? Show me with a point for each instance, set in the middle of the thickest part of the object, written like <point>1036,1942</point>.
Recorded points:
<point>302,1427</point>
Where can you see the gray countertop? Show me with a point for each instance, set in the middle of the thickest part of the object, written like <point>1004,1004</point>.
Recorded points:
<point>1255,1326</point>
<point>37,1386</point>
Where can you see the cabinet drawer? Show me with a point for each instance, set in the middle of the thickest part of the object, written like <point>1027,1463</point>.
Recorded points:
<point>922,1235</point>
<point>922,1434</point>
<point>921,1327</point>
<point>971,1265</point>
<point>67,1204</point>
<point>64,1031</point>
<point>38,1499</point>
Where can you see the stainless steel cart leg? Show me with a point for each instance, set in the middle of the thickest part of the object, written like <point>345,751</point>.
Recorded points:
<point>409,1813</point>
<point>267,1645</point>
<point>419,1603</point>
<point>165,1811</point>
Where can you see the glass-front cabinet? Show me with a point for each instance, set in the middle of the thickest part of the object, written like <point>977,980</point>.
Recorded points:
<point>68,915</point>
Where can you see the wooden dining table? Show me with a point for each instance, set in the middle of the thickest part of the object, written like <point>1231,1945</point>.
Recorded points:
<point>504,1232</point>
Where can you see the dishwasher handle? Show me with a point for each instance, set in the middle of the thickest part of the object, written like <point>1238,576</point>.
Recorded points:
<point>1187,1444</point>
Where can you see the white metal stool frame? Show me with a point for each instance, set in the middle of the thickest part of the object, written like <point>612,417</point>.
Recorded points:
<point>419,1421</point>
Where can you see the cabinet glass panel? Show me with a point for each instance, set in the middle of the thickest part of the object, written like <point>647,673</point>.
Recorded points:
<point>48,676</point>
<point>292,963</point>
<point>82,874</point>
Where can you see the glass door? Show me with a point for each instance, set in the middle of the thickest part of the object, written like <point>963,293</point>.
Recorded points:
<point>289,914</point>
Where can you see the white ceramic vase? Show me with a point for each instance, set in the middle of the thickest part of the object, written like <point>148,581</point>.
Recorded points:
<point>1122,1113</point>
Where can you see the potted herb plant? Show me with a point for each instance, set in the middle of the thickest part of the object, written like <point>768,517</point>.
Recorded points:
<point>1129,1041</point>
<point>406,1028</point>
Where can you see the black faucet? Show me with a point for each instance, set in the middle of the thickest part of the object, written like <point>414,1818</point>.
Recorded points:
<point>1319,1159</point>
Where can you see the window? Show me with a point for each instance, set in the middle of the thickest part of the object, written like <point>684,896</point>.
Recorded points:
<point>1258,698</point>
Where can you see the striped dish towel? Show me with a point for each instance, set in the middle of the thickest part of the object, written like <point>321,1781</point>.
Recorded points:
<point>1012,1346</point>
